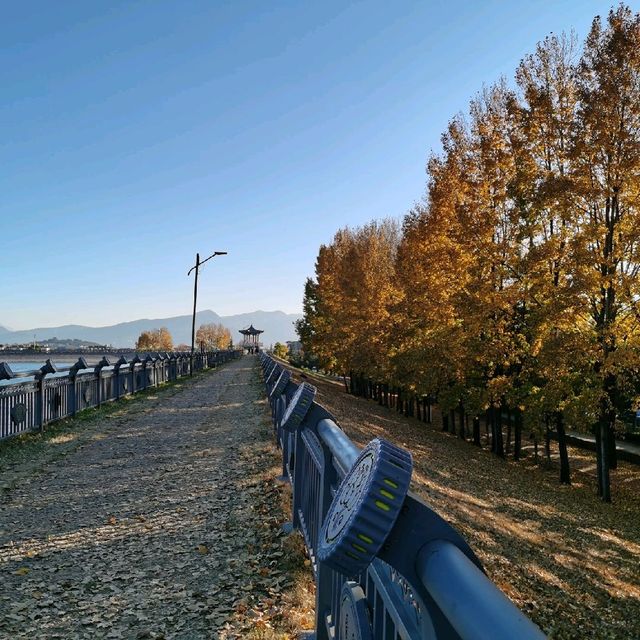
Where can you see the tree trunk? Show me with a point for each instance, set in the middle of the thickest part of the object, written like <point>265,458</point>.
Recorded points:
<point>452,417</point>
<point>605,488</point>
<point>547,441</point>
<point>597,431</point>
<point>499,440</point>
<point>476,431</point>
<point>613,454</point>
<point>508,448</point>
<point>604,437</point>
<point>461,433</point>
<point>445,422</point>
<point>517,444</point>
<point>565,472</point>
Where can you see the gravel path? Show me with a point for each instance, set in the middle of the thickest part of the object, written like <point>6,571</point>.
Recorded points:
<point>143,529</point>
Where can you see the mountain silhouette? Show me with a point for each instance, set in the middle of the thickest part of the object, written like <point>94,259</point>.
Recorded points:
<point>277,326</point>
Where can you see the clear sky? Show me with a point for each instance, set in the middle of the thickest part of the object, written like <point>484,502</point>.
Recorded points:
<point>133,134</point>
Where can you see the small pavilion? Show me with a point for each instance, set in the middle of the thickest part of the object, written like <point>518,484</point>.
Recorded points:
<point>251,340</point>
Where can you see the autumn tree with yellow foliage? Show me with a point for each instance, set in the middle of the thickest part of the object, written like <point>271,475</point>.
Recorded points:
<point>213,336</point>
<point>155,340</point>
<point>513,288</point>
<point>347,314</point>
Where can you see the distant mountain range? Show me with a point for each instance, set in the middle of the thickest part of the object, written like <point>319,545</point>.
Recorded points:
<point>277,325</point>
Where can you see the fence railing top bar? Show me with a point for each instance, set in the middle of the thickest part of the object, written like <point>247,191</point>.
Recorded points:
<point>343,450</point>
<point>7,373</point>
<point>451,578</point>
<point>32,372</point>
<point>426,560</point>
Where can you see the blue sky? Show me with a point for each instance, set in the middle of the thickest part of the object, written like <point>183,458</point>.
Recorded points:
<point>133,134</point>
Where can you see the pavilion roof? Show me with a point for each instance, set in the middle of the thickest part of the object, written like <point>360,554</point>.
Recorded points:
<point>251,331</point>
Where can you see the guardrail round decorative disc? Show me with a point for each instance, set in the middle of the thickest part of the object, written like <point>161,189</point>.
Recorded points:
<point>365,507</point>
<point>18,413</point>
<point>281,383</point>
<point>298,406</point>
<point>272,375</point>
<point>355,622</point>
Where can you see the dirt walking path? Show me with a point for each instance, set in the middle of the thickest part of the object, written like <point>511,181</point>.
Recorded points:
<point>143,529</point>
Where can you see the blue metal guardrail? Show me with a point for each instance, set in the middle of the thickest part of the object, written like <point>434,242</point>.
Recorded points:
<point>386,565</point>
<point>51,393</point>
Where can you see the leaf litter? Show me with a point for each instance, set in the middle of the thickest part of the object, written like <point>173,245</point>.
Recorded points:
<point>569,561</point>
<point>164,524</point>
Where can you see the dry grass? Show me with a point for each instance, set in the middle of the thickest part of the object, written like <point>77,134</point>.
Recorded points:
<point>568,560</point>
<point>283,610</point>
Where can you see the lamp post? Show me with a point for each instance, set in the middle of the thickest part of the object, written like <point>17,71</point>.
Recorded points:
<point>195,298</point>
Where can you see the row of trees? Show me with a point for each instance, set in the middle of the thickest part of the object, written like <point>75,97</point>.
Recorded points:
<point>514,285</point>
<point>208,337</point>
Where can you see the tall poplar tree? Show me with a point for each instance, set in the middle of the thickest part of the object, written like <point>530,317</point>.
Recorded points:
<point>606,174</point>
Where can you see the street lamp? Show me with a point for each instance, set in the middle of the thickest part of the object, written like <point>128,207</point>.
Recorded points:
<point>195,298</point>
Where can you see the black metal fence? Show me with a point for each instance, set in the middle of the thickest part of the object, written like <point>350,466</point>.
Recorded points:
<point>386,565</point>
<point>31,399</point>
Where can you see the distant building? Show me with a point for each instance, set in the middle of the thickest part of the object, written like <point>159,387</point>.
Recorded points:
<point>295,347</point>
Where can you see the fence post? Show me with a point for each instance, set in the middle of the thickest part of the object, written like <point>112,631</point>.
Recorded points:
<point>48,367</point>
<point>132,370</point>
<point>324,578</point>
<point>116,373</point>
<point>166,366</point>
<point>159,366</point>
<point>145,373</point>
<point>73,374</point>
<point>97,372</point>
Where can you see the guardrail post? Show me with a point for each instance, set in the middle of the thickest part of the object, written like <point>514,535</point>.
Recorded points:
<point>145,372</point>
<point>97,372</point>
<point>159,365</point>
<point>132,370</point>
<point>171,366</point>
<point>73,374</point>
<point>48,367</point>
<point>184,360</point>
<point>324,575</point>
<point>116,373</point>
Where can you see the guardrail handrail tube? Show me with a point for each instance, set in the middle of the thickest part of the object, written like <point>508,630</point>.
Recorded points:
<point>411,577</point>
<point>343,450</point>
<point>451,578</point>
